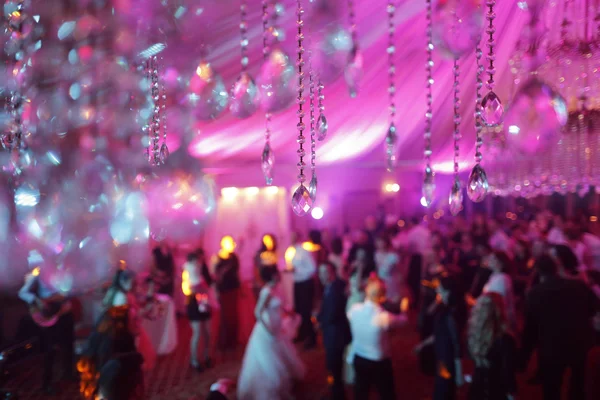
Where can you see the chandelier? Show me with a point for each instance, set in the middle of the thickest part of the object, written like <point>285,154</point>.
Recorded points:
<point>558,58</point>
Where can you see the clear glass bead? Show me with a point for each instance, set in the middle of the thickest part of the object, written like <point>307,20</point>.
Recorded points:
<point>164,153</point>
<point>301,201</point>
<point>478,186</point>
<point>492,111</point>
<point>267,162</point>
<point>312,187</point>
<point>455,201</point>
<point>428,187</point>
<point>322,127</point>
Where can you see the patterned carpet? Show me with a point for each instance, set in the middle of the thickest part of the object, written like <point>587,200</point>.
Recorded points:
<point>171,379</point>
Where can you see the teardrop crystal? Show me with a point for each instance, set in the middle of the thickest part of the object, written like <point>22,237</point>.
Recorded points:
<point>267,162</point>
<point>455,200</point>
<point>391,137</point>
<point>322,127</point>
<point>478,184</point>
<point>244,97</point>
<point>312,187</point>
<point>428,187</point>
<point>354,71</point>
<point>301,201</point>
<point>492,111</point>
<point>164,153</point>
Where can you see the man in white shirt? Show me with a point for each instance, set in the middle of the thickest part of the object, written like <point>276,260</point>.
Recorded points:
<point>371,325</point>
<point>304,269</point>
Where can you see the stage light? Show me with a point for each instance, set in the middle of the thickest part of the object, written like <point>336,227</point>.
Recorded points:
<point>593,218</point>
<point>317,213</point>
<point>229,192</point>
<point>251,191</point>
<point>395,188</point>
<point>388,187</point>
<point>423,201</point>
<point>272,190</point>
<point>401,223</point>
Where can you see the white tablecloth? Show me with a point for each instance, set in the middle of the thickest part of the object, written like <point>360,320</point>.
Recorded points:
<point>162,331</point>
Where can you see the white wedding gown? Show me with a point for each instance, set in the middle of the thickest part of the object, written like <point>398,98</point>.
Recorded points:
<point>271,362</point>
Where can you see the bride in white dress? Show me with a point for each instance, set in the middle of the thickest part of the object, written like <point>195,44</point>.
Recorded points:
<point>271,363</point>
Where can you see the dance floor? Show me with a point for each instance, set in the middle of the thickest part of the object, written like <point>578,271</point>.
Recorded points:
<point>173,380</point>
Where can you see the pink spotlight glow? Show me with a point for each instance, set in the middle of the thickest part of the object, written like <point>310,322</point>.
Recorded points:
<point>317,213</point>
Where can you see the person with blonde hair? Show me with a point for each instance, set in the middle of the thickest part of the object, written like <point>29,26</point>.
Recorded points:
<point>493,348</point>
<point>371,324</point>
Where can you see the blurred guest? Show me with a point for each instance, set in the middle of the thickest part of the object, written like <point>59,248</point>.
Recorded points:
<point>556,234</point>
<point>468,260</point>
<point>115,332</point>
<point>304,269</point>
<point>388,268</point>
<point>565,259</point>
<point>499,240</point>
<point>493,348</point>
<point>58,329</point>
<point>479,231</point>
<point>501,283</point>
<point>419,243</point>
<point>121,378</point>
<point>371,326</point>
<point>164,269</point>
<point>196,282</point>
<point>315,246</point>
<point>361,266</point>
<point>334,326</point>
<point>337,259</point>
<point>558,322</point>
<point>446,339</point>
<point>266,257</point>
<point>226,267</point>
<point>271,364</point>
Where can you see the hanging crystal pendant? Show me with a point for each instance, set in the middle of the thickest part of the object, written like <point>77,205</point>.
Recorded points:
<point>244,97</point>
<point>492,111</point>
<point>478,184</point>
<point>455,200</point>
<point>267,162</point>
<point>428,187</point>
<point>354,71</point>
<point>312,187</point>
<point>322,127</point>
<point>301,201</point>
<point>390,141</point>
<point>164,153</point>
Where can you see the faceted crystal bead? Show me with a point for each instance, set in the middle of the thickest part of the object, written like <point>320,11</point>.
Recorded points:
<point>164,153</point>
<point>391,137</point>
<point>321,127</point>
<point>455,200</point>
<point>428,187</point>
<point>312,187</point>
<point>354,71</point>
<point>478,184</point>
<point>267,161</point>
<point>244,97</point>
<point>301,201</point>
<point>492,111</point>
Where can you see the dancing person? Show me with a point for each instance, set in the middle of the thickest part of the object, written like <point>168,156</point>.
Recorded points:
<point>493,348</point>
<point>304,269</point>
<point>114,334</point>
<point>271,364</point>
<point>501,283</point>
<point>371,326</point>
<point>266,257</point>
<point>41,295</point>
<point>558,323</point>
<point>121,378</point>
<point>337,259</point>
<point>446,340</point>
<point>196,282</point>
<point>334,326</point>
<point>226,267</point>
<point>388,268</point>
<point>164,269</point>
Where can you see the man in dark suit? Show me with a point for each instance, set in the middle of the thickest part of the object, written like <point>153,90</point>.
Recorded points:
<point>558,322</point>
<point>334,326</point>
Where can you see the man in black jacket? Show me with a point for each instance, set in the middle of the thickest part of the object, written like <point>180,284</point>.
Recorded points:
<point>334,326</point>
<point>558,322</point>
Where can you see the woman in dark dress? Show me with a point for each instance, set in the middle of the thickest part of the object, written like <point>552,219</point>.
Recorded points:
<point>114,334</point>
<point>164,270</point>
<point>196,282</point>
<point>446,340</point>
<point>493,348</point>
<point>227,270</point>
<point>266,257</point>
